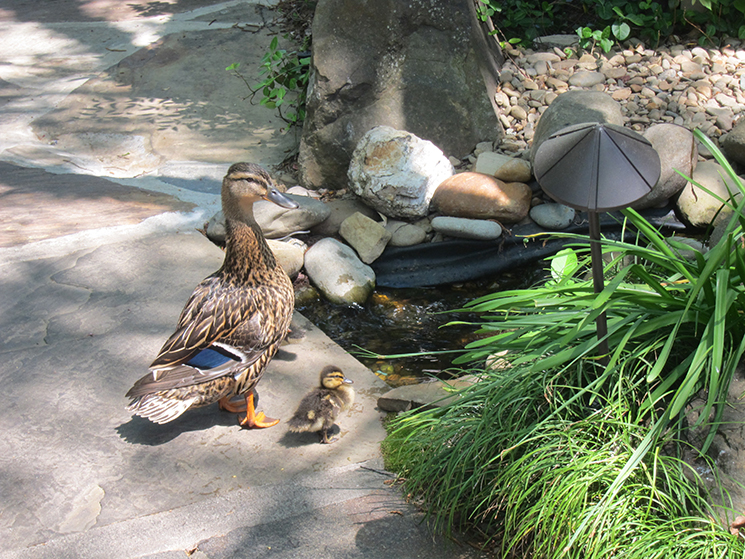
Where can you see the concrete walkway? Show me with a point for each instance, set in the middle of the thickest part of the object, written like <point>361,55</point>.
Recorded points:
<point>117,122</point>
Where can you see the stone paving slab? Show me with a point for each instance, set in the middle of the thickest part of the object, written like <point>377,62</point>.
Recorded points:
<point>66,204</point>
<point>115,120</point>
<point>77,333</point>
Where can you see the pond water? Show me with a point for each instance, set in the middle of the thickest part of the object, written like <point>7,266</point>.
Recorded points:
<point>411,320</point>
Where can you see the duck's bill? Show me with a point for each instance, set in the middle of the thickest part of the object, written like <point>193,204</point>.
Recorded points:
<point>348,381</point>
<point>280,199</point>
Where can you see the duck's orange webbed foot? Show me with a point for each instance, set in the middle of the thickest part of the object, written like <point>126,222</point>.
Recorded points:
<point>255,420</point>
<point>232,406</point>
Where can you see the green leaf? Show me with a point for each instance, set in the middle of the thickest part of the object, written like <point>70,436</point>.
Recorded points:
<point>606,44</point>
<point>564,264</point>
<point>233,66</point>
<point>636,20</point>
<point>275,42</point>
<point>621,31</point>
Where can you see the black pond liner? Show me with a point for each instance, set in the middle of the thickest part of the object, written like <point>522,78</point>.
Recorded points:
<point>432,264</point>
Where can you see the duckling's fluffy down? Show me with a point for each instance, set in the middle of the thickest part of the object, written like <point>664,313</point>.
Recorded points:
<point>319,409</point>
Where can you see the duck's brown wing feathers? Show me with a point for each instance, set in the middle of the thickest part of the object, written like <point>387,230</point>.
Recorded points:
<point>211,315</point>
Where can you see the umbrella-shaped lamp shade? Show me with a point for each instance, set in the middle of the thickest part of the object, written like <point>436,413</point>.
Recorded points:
<point>596,167</point>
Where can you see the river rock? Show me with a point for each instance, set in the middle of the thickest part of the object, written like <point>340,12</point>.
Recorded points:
<point>733,144</point>
<point>428,67</point>
<point>479,196</point>
<point>464,228</point>
<point>397,173</point>
<point>289,255</point>
<point>338,273</point>
<point>339,210</point>
<point>574,107</point>
<point>677,150</point>
<point>584,78</point>
<point>489,162</point>
<point>277,222</point>
<point>553,217</point>
<point>504,167</point>
<point>433,393</point>
<point>214,229</point>
<point>698,207</point>
<point>368,237</point>
<point>405,234</point>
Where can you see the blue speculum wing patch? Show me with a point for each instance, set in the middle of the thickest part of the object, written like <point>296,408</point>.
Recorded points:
<point>210,358</point>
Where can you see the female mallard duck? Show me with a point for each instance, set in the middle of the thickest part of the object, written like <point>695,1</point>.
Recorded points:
<point>234,321</point>
<point>319,409</point>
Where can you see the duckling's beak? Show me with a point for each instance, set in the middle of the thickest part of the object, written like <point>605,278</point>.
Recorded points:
<point>280,199</point>
<point>348,381</point>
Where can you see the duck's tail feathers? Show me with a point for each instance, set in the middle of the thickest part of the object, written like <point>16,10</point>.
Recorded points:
<point>158,409</point>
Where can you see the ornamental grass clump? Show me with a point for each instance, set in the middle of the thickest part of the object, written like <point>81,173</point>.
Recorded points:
<point>568,453</point>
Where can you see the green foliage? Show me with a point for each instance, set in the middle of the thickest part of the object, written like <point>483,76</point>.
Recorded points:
<point>515,458</point>
<point>589,38</point>
<point>604,22</point>
<point>284,84</point>
<point>561,453</point>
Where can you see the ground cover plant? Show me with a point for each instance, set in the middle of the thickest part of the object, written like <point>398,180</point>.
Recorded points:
<point>606,21</point>
<point>561,452</point>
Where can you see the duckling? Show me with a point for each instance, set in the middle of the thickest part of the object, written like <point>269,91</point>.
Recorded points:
<point>319,409</point>
<point>232,324</point>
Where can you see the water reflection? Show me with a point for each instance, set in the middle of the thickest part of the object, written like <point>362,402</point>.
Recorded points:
<point>400,321</point>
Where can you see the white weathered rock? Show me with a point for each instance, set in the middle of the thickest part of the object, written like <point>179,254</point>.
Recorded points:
<point>277,222</point>
<point>464,228</point>
<point>397,173</point>
<point>368,237</point>
<point>552,216</point>
<point>338,273</point>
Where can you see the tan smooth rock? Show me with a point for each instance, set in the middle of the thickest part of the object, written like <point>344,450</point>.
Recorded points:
<point>479,196</point>
<point>369,238</point>
<point>514,170</point>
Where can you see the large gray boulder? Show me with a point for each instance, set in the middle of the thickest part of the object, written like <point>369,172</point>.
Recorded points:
<point>416,66</point>
<point>575,107</point>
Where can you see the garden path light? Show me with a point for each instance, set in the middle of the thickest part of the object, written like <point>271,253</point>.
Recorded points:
<point>596,167</point>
